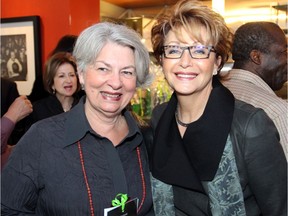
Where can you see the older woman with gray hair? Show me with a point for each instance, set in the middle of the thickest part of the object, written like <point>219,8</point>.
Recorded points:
<point>82,161</point>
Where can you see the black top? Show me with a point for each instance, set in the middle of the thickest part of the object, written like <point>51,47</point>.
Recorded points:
<point>45,108</point>
<point>44,175</point>
<point>199,152</point>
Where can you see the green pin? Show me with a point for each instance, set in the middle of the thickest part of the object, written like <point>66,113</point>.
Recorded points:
<point>120,200</point>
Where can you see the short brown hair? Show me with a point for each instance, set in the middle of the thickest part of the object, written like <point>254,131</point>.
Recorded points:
<point>190,15</point>
<point>52,65</point>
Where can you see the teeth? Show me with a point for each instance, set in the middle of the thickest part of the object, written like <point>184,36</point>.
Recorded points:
<point>186,75</point>
<point>111,95</point>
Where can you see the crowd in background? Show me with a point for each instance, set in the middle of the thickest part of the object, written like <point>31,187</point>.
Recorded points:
<point>14,57</point>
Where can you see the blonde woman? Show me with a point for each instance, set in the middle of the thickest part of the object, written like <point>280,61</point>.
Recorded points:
<point>212,154</point>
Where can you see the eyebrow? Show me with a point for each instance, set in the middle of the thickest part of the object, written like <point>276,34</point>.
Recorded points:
<point>109,65</point>
<point>129,66</point>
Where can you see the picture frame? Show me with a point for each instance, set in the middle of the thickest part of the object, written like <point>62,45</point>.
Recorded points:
<point>21,51</point>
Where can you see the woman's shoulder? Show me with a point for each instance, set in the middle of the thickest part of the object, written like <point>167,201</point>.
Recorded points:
<point>243,109</point>
<point>45,101</point>
<point>46,107</point>
<point>159,109</point>
<point>52,122</point>
<point>252,121</point>
<point>43,129</point>
<point>157,113</point>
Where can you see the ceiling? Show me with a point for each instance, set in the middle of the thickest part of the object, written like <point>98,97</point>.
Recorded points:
<point>150,8</point>
<point>132,4</point>
<point>229,4</point>
<point>241,9</point>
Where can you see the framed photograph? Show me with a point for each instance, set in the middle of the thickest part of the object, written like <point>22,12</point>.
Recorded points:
<point>20,51</point>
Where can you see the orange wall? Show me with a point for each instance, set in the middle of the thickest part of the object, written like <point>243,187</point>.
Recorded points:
<point>54,16</point>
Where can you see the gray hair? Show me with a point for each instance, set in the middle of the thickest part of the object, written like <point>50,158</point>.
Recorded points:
<point>91,41</point>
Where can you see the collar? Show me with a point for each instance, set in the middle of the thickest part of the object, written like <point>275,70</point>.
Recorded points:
<point>77,125</point>
<point>248,76</point>
<point>185,162</point>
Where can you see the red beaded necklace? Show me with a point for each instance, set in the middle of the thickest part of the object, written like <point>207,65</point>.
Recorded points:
<point>87,183</point>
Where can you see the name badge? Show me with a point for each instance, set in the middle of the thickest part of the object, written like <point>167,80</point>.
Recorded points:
<point>130,209</point>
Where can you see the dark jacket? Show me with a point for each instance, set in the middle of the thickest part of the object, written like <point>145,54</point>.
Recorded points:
<point>260,161</point>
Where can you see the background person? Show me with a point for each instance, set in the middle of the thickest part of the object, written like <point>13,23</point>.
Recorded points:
<point>61,81</point>
<point>19,109</point>
<point>23,61</point>
<point>212,154</point>
<point>9,92</point>
<point>76,163</point>
<point>12,63</point>
<point>260,68</point>
<point>65,44</point>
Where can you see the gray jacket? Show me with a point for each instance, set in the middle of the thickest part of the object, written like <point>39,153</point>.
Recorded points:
<point>263,172</point>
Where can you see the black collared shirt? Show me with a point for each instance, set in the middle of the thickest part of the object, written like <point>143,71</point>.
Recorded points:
<point>44,174</point>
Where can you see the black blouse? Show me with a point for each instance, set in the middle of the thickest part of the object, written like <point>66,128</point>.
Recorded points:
<point>44,175</point>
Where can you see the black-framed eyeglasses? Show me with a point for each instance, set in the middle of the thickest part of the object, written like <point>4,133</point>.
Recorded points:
<point>196,52</point>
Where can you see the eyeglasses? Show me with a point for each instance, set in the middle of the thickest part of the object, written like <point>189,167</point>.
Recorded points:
<point>196,52</point>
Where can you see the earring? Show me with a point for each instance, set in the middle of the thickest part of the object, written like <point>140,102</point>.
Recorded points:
<point>215,72</point>
<point>82,86</point>
<point>54,91</point>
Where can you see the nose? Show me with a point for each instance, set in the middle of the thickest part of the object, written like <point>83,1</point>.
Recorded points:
<point>68,79</point>
<point>186,59</point>
<point>115,80</point>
